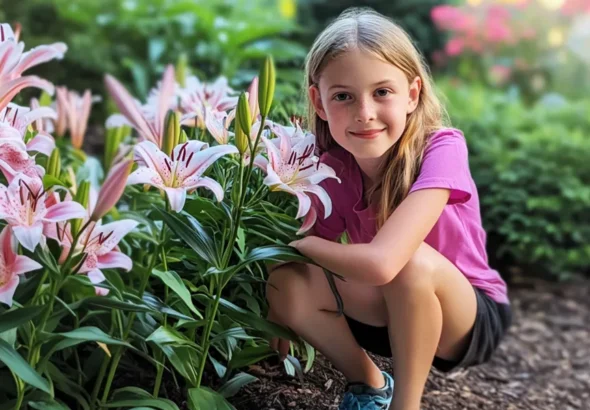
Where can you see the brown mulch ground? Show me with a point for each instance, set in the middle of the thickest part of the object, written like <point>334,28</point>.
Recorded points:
<point>543,364</point>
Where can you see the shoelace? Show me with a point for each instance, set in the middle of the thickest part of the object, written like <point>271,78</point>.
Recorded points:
<point>359,402</point>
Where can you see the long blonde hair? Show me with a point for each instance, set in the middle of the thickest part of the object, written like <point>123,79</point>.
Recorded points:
<point>370,31</point>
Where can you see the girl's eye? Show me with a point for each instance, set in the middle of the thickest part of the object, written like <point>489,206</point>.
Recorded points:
<point>382,92</point>
<point>341,97</point>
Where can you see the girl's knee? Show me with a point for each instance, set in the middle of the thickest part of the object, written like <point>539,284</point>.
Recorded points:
<point>417,275</point>
<point>288,292</point>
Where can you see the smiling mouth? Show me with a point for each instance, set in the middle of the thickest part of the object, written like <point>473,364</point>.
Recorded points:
<point>368,134</point>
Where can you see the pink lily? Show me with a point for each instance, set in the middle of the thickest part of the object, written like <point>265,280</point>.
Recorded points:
<point>12,266</point>
<point>23,206</point>
<point>99,243</point>
<point>181,171</point>
<point>14,160</point>
<point>15,120</point>
<point>148,120</point>
<point>293,167</point>
<point>196,97</point>
<point>11,88</point>
<point>76,110</point>
<point>13,62</point>
<point>217,124</point>
<point>112,189</point>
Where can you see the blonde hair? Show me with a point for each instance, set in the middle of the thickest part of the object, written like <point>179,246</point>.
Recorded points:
<point>370,31</point>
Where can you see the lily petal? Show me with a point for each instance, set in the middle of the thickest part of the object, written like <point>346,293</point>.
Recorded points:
<point>28,236</point>
<point>8,289</point>
<point>322,196</point>
<point>24,264</point>
<point>130,109</point>
<point>43,143</point>
<point>64,211</point>
<point>308,222</point>
<point>213,186</point>
<point>39,55</point>
<point>304,205</point>
<point>114,259</point>
<point>176,197</point>
<point>9,89</point>
<point>145,175</point>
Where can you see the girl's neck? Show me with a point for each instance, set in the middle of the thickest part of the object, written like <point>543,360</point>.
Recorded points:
<point>369,170</point>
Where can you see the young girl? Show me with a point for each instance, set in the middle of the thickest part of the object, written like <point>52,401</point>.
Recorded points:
<point>417,283</point>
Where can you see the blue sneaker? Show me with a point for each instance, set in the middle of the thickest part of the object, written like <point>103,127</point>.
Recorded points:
<point>359,396</point>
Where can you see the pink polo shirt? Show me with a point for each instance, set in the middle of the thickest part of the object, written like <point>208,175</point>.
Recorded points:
<point>458,234</point>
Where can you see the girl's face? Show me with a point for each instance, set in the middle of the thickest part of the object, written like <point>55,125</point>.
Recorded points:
<point>365,101</point>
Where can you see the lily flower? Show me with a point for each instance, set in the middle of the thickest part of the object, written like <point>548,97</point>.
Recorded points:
<point>14,160</point>
<point>217,124</point>
<point>147,120</point>
<point>11,88</point>
<point>73,112</point>
<point>12,266</point>
<point>179,173</point>
<point>196,97</point>
<point>23,206</point>
<point>293,167</point>
<point>100,245</point>
<point>13,62</point>
<point>15,120</point>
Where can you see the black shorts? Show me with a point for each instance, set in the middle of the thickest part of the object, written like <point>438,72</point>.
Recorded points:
<point>491,323</point>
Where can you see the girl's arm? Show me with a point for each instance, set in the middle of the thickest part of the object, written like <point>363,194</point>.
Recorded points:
<point>378,262</point>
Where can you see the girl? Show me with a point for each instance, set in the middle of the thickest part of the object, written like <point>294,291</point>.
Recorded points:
<point>417,283</point>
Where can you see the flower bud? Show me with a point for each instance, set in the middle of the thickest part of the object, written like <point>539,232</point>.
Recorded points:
<point>266,86</point>
<point>171,132</point>
<point>54,163</point>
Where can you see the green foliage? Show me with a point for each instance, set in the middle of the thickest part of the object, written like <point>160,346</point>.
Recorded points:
<point>135,39</point>
<point>532,171</point>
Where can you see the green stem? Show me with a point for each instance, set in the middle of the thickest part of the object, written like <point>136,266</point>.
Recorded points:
<point>21,392</point>
<point>119,349</point>
<point>205,342</point>
<point>160,367</point>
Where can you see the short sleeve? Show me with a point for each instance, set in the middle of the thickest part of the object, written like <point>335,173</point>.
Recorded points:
<point>332,227</point>
<point>446,165</point>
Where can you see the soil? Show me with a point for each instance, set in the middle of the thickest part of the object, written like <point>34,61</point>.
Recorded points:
<point>542,364</point>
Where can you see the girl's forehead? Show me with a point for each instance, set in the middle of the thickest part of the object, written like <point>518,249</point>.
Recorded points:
<point>358,68</point>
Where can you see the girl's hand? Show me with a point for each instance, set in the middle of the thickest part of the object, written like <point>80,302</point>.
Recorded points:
<point>302,244</point>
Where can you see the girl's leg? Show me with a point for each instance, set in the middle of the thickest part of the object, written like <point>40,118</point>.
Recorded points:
<point>300,298</point>
<point>431,308</point>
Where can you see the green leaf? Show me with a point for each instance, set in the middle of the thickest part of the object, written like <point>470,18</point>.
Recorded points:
<point>48,405</point>
<point>174,282</point>
<point>250,355</point>
<point>168,336</point>
<point>162,404</point>
<point>21,368</point>
<point>255,322</point>
<point>193,234</point>
<point>49,181</point>
<point>203,398</point>
<point>92,334</point>
<point>231,387</point>
<point>16,317</point>
<point>44,256</point>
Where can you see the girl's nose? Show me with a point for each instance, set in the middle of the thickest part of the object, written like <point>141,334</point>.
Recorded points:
<point>365,112</point>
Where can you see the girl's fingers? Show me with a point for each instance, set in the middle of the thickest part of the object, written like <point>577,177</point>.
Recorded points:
<point>284,346</point>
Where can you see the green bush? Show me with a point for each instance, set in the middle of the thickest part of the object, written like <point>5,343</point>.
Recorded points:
<point>532,169</point>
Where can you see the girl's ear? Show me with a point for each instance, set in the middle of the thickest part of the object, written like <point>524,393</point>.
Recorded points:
<point>414,94</point>
<point>316,100</point>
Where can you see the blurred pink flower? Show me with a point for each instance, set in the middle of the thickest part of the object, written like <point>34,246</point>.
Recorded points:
<point>11,266</point>
<point>500,74</point>
<point>196,97</point>
<point>148,120</point>
<point>73,111</point>
<point>13,62</point>
<point>455,46</point>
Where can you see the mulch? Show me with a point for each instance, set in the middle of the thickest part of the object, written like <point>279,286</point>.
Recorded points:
<point>542,364</point>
